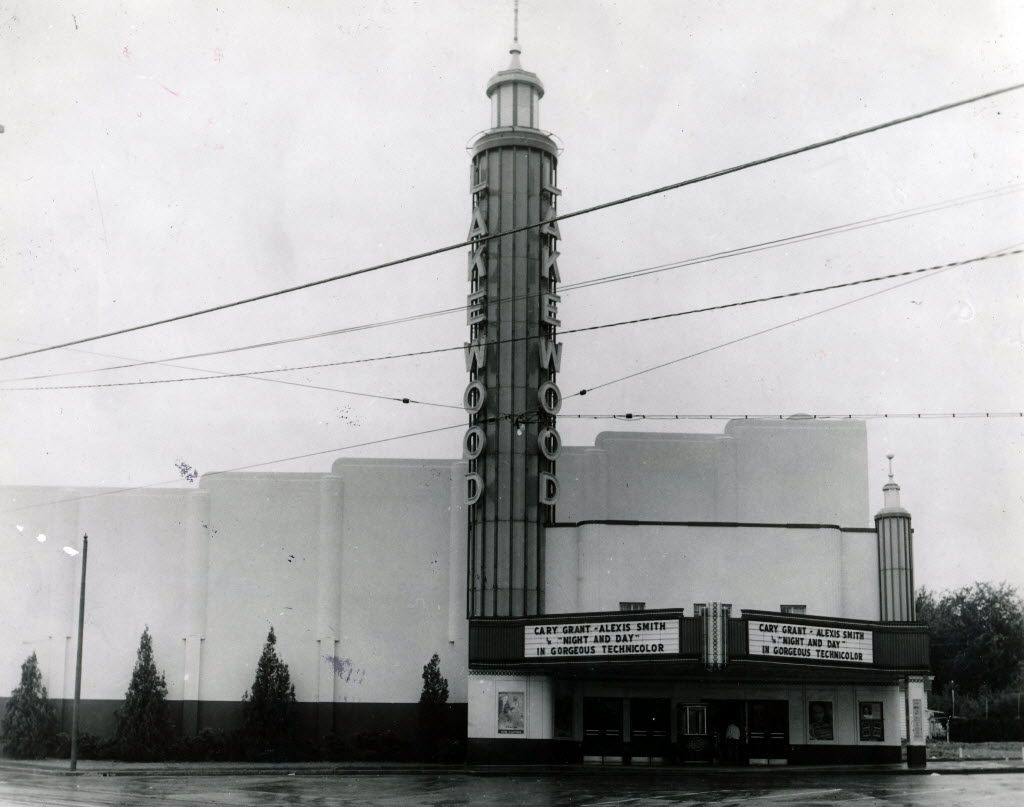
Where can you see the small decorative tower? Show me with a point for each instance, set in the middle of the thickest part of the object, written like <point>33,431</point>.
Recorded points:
<point>512,356</point>
<point>895,556</point>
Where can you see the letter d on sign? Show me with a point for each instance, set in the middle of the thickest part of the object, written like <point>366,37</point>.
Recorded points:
<point>474,488</point>
<point>548,488</point>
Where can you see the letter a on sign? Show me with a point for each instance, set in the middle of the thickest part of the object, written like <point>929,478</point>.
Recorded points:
<point>478,227</point>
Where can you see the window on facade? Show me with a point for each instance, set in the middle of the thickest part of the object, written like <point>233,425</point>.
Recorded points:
<point>699,608</point>
<point>871,725</point>
<point>505,105</point>
<point>632,606</point>
<point>693,720</point>
<point>793,609</point>
<point>523,106</point>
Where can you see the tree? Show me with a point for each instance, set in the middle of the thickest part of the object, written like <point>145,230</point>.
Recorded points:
<point>144,729</point>
<point>266,707</point>
<point>977,636</point>
<point>435,685</point>
<point>29,719</point>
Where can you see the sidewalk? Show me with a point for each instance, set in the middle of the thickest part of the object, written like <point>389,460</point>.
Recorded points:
<point>89,767</point>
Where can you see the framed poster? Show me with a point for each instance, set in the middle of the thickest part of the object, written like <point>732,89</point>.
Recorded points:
<point>871,726</point>
<point>819,720</point>
<point>511,714</point>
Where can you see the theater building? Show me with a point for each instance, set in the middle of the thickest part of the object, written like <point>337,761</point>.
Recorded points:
<point>624,602</point>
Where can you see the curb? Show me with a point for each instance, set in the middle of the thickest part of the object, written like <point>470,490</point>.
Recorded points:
<point>503,770</point>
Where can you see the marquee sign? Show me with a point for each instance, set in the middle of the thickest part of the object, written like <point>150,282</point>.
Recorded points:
<point>786,641</point>
<point>654,637</point>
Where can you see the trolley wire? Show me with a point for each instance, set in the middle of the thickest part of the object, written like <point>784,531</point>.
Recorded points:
<point>801,416</point>
<point>937,271</point>
<point>924,272</point>
<point>511,231</point>
<point>564,288</point>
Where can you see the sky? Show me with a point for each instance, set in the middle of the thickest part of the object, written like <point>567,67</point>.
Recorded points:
<point>161,157</point>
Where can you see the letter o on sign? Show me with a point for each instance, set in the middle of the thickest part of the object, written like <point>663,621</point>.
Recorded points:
<point>473,443</point>
<point>475,396</point>
<point>548,488</point>
<point>474,488</point>
<point>550,397</point>
<point>550,444</point>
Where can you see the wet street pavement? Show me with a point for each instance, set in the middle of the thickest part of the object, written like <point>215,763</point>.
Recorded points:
<point>598,790</point>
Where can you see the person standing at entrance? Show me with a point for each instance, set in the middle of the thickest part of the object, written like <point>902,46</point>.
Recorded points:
<point>732,744</point>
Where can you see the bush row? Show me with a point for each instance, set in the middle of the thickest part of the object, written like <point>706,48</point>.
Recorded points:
<point>145,731</point>
<point>980,729</point>
<point>216,745</point>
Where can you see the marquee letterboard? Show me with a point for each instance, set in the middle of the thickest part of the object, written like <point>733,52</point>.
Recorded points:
<point>634,637</point>
<point>786,641</point>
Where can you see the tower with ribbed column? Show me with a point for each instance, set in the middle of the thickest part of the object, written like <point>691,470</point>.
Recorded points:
<point>895,556</point>
<point>512,356</point>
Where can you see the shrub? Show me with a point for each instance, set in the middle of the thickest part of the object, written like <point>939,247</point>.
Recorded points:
<point>379,745</point>
<point>209,745</point>
<point>435,685</point>
<point>333,748</point>
<point>29,718</point>
<point>143,728</point>
<point>267,706</point>
<point>89,746</point>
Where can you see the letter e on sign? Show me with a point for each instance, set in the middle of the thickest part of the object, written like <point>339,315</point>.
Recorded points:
<point>549,309</point>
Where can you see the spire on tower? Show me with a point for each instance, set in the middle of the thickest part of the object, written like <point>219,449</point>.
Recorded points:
<point>891,490</point>
<point>515,50</point>
<point>515,93</point>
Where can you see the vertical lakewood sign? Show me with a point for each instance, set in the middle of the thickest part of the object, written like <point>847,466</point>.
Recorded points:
<point>788,642</point>
<point>633,638</point>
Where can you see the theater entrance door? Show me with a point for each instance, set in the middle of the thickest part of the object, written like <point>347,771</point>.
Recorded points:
<point>602,730</point>
<point>650,730</point>
<point>768,732</point>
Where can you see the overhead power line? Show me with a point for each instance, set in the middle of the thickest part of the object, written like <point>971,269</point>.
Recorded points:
<point>249,467</point>
<point>564,332</point>
<point>212,373</point>
<point>568,287</point>
<point>857,416</point>
<point>938,270</point>
<point>561,217</point>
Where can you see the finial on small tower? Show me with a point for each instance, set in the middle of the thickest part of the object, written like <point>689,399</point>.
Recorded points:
<point>515,50</point>
<point>891,490</point>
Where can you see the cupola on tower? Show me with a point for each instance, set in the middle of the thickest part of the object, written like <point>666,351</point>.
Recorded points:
<point>512,356</point>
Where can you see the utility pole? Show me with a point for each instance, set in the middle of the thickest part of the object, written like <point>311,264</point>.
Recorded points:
<point>78,660</point>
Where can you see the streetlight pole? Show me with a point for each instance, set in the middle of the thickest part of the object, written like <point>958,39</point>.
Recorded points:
<point>78,660</point>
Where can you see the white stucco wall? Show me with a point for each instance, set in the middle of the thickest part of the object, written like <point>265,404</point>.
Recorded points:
<point>387,537</point>
<point>402,554</point>
<point>787,471</point>
<point>596,566</point>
